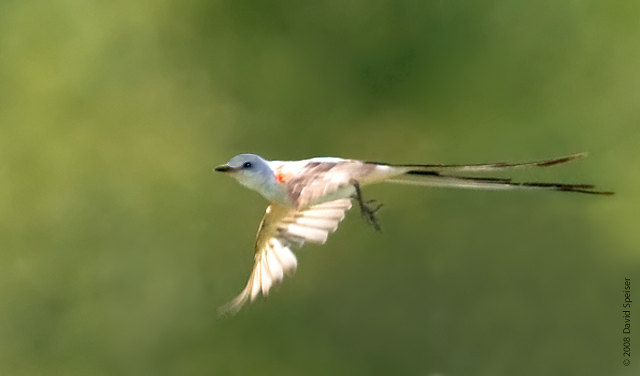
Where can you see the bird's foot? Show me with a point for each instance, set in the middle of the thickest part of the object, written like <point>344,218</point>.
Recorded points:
<point>368,208</point>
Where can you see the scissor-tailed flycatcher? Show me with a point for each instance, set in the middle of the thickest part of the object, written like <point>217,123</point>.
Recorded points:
<point>309,198</point>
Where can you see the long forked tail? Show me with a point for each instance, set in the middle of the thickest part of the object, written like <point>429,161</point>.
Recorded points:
<point>445,176</point>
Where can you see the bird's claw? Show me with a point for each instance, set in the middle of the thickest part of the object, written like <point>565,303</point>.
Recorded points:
<point>368,208</point>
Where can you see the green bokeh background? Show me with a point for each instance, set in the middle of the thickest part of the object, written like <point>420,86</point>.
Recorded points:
<point>118,243</point>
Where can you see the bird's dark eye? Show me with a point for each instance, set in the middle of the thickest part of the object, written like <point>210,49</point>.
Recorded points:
<point>246,164</point>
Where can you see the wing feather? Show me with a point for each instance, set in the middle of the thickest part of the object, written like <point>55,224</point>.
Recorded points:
<point>324,213</point>
<point>281,229</point>
<point>308,233</point>
<point>276,266</point>
<point>321,223</point>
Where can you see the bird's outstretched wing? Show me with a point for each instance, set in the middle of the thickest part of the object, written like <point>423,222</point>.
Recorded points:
<point>281,229</point>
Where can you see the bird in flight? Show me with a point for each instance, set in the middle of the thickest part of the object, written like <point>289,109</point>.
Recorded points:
<point>309,198</point>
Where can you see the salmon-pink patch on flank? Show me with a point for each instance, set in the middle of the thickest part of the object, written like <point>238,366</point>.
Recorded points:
<point>280,176</point>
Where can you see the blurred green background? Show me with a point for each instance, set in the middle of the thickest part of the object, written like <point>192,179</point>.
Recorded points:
<point>118,242</point>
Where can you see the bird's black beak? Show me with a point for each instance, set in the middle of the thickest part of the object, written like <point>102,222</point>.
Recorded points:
<point>223,168</point>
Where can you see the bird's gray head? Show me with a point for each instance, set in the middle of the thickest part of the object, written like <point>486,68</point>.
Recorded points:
<point>249,170</point>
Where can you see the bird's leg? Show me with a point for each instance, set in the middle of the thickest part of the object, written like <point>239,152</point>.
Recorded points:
<point>369,208</point>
